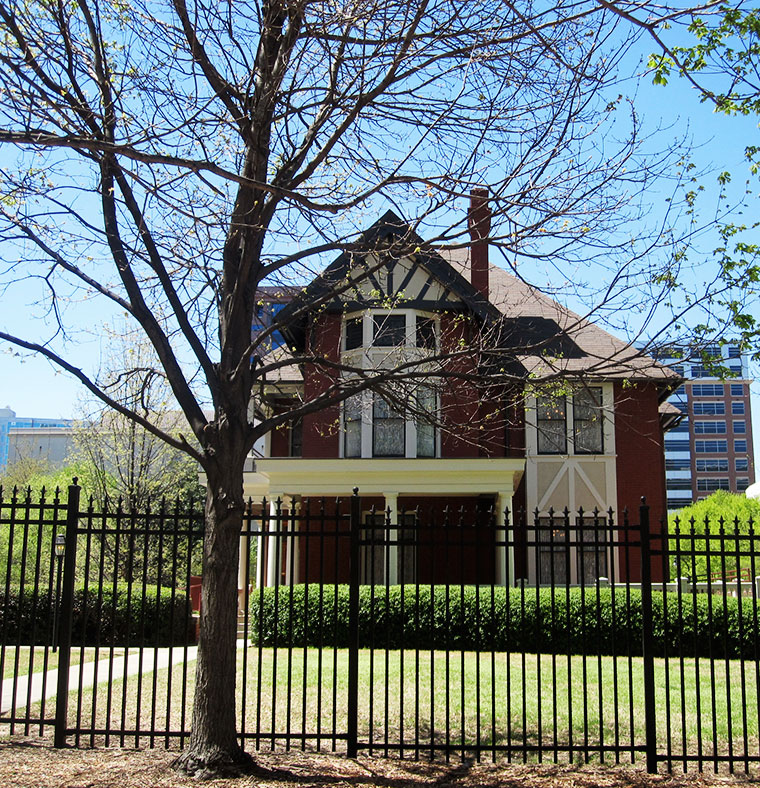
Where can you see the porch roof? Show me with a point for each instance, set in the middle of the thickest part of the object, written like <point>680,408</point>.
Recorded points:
<point>273,477</point>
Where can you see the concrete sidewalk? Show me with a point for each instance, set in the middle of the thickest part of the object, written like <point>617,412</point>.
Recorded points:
<point>31,689</point>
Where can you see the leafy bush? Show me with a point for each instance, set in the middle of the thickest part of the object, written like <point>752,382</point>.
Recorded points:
<point>153,615</point>
<point>470,618</point>
<point>720,533</point>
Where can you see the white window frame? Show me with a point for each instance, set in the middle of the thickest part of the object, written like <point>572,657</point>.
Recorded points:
<point>367,408</point>
<point>608,425</point>
<point>368,317</point>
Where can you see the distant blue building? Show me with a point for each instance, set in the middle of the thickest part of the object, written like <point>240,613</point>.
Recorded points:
<point>711,448</point>
<point>33,437</point>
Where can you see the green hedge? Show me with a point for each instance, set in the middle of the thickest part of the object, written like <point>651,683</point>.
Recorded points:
<point>151,614</point>
<point>583,620</point>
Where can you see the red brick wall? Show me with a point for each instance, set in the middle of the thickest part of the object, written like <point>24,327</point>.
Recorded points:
<point>473,416</point>
<point>640,460</point>
<point>321,430</point>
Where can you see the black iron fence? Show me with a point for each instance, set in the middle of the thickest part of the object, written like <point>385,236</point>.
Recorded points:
<point>456,633</point>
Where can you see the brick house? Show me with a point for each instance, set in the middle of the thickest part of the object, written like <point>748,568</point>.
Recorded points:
<point>591,437</point>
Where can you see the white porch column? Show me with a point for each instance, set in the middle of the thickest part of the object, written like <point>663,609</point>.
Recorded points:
<point>505,560</point>
<point>273,552</point>
<point>391,508</point>
<point>294,551</point>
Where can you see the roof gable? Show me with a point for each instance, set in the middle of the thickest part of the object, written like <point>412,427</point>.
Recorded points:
<point>389,264</point>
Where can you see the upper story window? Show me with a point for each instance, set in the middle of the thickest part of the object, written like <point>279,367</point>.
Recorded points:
<point>388,429</point>
<point>551,420</point>
<point>587,421</point>
<point>709,408</point>
<point>571,425</point>
<point>389,330</point>
<point>375,427</point>
<point>405,328</point>
<point>354,333</point>
<point>710,428</point>
<point>707,390</point>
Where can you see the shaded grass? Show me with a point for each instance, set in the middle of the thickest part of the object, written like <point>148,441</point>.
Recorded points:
<point>523,707</point>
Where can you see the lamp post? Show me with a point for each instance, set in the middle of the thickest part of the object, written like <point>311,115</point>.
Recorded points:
<point>60,548</point>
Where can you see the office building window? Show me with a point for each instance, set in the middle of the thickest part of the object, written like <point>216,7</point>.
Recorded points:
<point>711,447</point>
<point>710,485</point>
<point>737,408</point>
<point>707,390</point>
<point>678,484</point>
<point>710,428</point>
<point>741,464</point>
<point>712,465</point>
<point>740,427</point>
<point>740,446</point>
<point>737,389</point>
<point>671,445</point>
<point>700,371</point>
<point>677,464</point>
<point>709,408</point>
<point>742,484</point>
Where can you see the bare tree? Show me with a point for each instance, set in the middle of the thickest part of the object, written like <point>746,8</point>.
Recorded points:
<point>169,158</point>
<point>123,459</point>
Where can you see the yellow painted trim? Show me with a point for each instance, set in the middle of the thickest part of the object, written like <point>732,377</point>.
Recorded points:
<point>286,476</point>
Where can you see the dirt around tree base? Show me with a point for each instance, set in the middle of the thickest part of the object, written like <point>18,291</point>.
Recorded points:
<point>214,764</point>
<point>36,764</point>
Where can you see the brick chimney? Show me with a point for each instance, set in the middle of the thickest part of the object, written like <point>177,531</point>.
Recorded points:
<point>479,225</point>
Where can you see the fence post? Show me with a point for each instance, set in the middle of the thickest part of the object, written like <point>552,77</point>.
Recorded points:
<point>353,629</point>
<point>647,640</point>
<point>65,616</point>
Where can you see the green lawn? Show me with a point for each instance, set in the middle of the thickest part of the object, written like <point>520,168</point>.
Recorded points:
<point>526,700</point>
<point>32,659</point>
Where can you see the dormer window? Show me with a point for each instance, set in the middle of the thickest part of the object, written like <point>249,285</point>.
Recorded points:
<point>397,328</point>
<point>425,335</point>
<point>389,330</point>
<point>354,333</point>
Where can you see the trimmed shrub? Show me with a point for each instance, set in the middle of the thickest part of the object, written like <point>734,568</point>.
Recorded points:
<point>470,618</point>
<point>153,615</point>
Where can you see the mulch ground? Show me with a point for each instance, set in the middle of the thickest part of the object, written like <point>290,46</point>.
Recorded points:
<point>36,764</point>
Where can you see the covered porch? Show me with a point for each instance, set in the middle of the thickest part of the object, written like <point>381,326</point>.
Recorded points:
<point>388,486</point>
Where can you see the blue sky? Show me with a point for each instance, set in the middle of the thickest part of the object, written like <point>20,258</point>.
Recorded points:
<point>32,387</point>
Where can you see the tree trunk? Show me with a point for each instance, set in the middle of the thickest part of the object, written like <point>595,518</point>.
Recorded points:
<point>213,749</point>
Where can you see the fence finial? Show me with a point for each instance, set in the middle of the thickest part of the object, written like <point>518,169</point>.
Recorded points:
<point>356,490</point>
